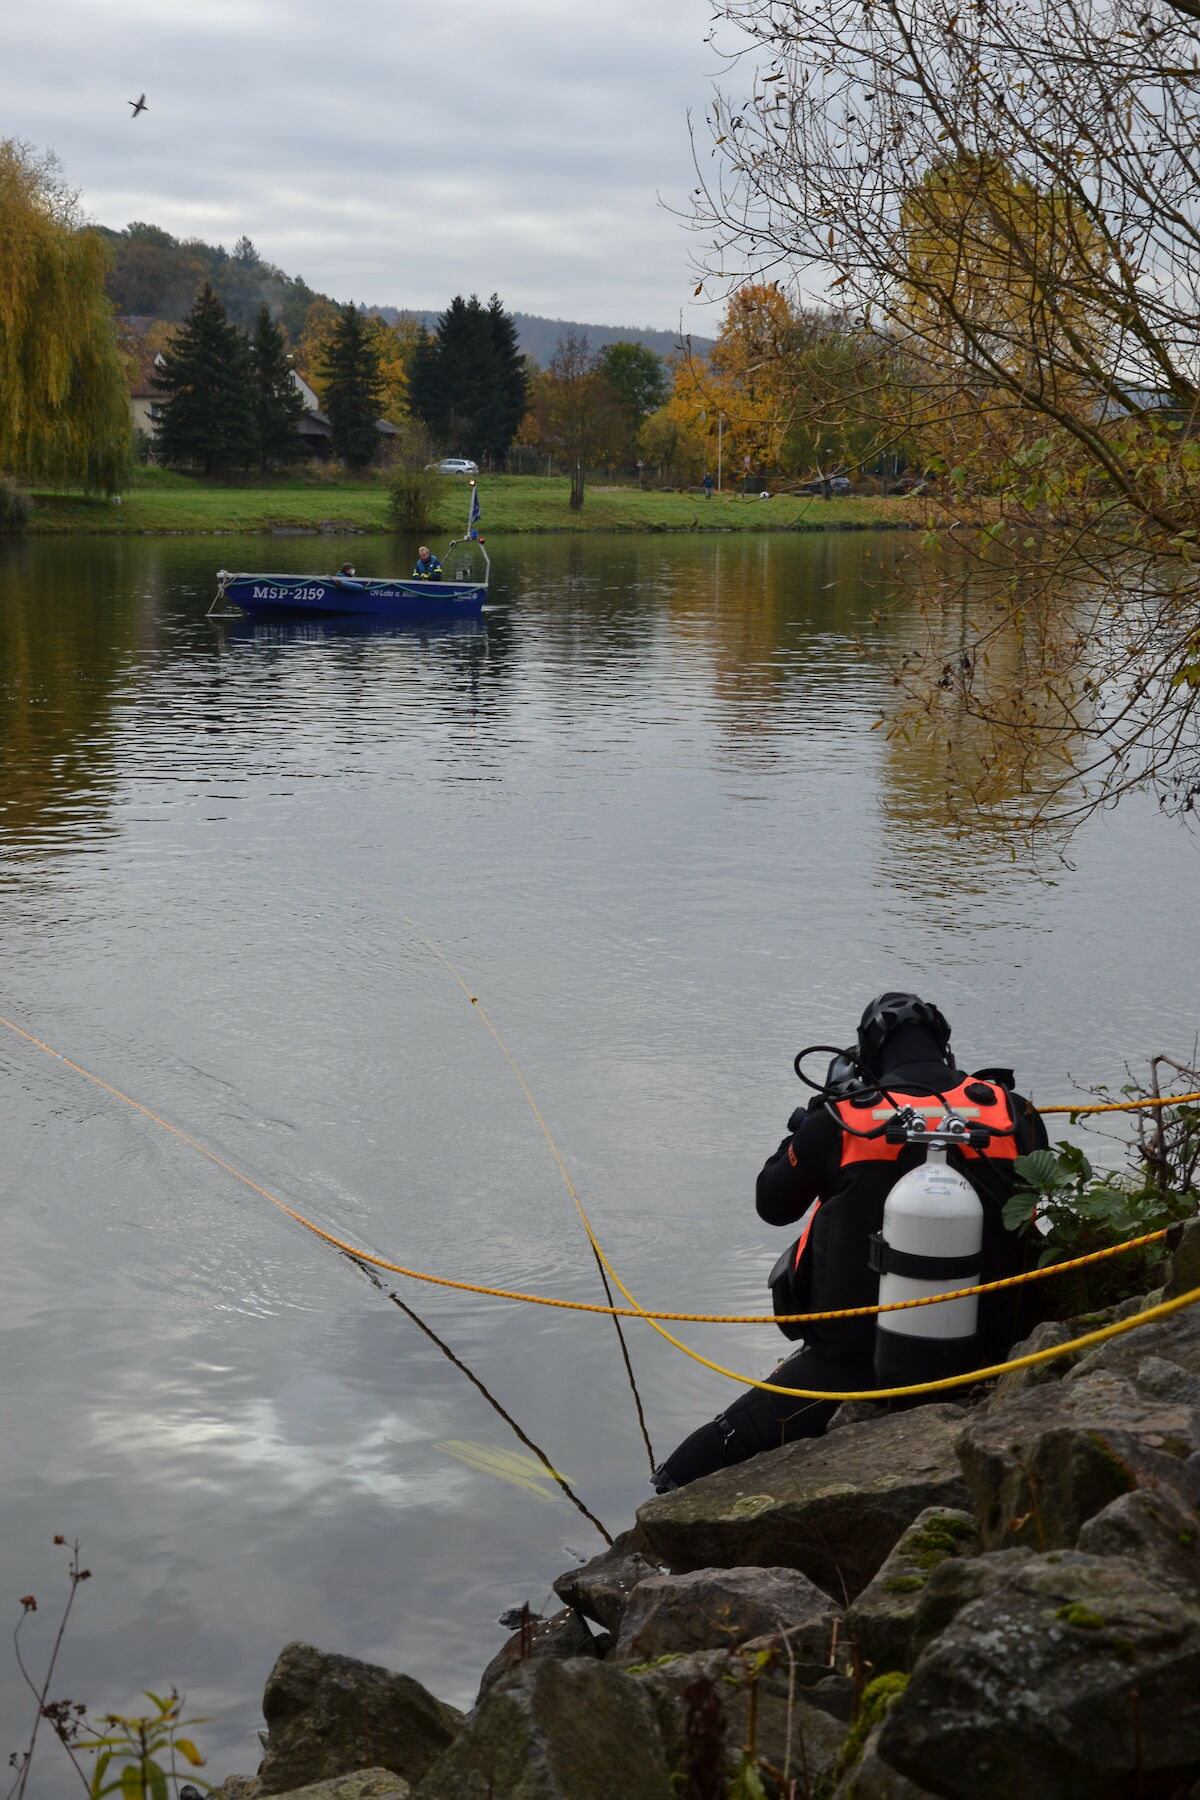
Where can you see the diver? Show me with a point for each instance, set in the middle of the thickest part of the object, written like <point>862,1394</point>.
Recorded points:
<point>428,567</point>
<point>832,1174</point>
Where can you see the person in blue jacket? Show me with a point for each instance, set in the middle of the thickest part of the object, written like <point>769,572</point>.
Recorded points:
<point>428,567</point>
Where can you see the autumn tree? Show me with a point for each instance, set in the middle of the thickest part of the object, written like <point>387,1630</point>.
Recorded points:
<point>279,402</point>
<point>352,388</point>
<point>1007,197</point>
<point>209,417</point>
<point>745,382</point>
<point>64,409</point>
<point>574,413</point>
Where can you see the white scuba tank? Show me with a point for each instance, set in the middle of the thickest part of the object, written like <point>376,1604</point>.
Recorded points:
<point>931,1243</point>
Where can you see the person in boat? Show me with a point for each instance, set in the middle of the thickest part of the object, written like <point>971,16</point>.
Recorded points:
<point>347,569</point>
<point>428,567</point>
<point>835,1184</point>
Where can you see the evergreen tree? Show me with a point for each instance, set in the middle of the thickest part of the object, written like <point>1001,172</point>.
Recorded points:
<point>468,382</point>
<point>64,409</point>
<point>210,416</point>
<point>352,388</point>
<point>280,404</point>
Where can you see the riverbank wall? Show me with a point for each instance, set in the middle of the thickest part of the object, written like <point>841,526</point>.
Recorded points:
<point>977,1598</point>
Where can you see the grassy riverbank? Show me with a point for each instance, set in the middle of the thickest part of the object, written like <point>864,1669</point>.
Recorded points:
<point>164,502</point>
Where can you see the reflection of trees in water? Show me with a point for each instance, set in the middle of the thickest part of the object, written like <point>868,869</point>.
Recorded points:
<point>69,624</point>
<point>993,732</point>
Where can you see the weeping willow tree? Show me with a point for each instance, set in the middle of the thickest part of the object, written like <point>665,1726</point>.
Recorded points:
<point>64,410</point>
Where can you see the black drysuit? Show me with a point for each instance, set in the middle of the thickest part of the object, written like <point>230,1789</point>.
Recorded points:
<point>838,1354</point>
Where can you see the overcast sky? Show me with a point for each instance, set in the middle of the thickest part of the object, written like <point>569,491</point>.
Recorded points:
<point>390,151</point>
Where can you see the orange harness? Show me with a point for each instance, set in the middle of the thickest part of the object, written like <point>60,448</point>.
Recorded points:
<point>979,1102</point>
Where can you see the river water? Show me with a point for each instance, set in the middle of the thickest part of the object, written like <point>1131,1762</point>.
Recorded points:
<point>642,811</point>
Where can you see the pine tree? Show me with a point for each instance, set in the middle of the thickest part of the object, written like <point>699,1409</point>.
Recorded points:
<point>64,409</point>
<point>279,402</point>
<point>467,382</point>
<point>352,388</point>
<point>210,417</point>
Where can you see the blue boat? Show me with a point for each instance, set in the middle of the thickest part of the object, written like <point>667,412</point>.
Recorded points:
<point>460,591</point>
<point>333,594</point>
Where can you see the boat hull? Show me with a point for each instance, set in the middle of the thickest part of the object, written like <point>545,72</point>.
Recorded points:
<point>332,594</point>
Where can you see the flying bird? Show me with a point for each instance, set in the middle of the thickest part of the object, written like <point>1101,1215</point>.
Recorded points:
<point>138,105</point>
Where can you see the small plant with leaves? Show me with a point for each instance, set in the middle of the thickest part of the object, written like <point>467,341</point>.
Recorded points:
<point>144,1752</point>
<point>138,1758</point>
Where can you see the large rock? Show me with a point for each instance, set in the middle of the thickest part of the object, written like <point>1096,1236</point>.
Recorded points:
<point>715,1609</point>
<point>1158,1533</point>
<point>367,1784</point>
<point>781,1728</point>
<point>329,1715</point>
<point>600,1589</point>
<point>880,1621</point>
<point>557,1731</point>
<point>831,1506</point>
<point>871,1778</point>
<point>1055,1677</point>
<point>1044,1462</point>
<point>563,1636</point>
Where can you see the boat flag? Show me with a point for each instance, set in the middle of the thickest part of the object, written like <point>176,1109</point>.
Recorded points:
<point>475,514</point>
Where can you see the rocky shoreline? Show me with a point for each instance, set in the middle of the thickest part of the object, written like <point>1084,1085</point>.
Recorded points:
<point>969,1600</point>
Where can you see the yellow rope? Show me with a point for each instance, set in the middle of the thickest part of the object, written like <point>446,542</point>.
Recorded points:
<point>586,1306</point>
<point>1121,1105</point>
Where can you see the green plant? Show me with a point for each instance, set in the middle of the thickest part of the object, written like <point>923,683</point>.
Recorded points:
<point>136,1757</point>
<point>140,1747</point>
<point>412,495</point>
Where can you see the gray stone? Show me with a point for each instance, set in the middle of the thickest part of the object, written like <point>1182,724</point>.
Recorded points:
<point>239,1787</point>
<point>1163,1380</point>
<point>1176,1339</point>
<point>1045,1336</point>
<point>563,1636</point>
<point>1047,1460</point>
<point>366,1784</point>
<point>784,1730</point>
<point>1184,1272</point>
<point>328,1715</point>
<point>1157,1532</point>
<point>830,1506</point>
<point>880,1621</point>
<point>857,1412</point>
<point>557,1731</point>
<point>1063,1677</point>
<point>600,1589</point>
<point>716,1609</point>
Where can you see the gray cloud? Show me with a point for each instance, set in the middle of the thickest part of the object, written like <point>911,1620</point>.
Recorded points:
<point>389,152</point>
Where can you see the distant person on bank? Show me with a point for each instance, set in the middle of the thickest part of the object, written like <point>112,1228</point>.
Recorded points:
<point>707,485</point>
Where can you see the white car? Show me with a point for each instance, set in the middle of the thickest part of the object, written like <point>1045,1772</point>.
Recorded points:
<point>454,465</point>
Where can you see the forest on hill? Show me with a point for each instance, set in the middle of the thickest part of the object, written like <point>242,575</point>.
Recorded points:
<point>157,276</point>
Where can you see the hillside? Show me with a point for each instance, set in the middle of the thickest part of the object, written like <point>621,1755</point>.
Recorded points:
<point>157,276</point>
<point>538,336</point>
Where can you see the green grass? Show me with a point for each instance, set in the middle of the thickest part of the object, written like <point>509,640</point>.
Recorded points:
<point>162,501</point>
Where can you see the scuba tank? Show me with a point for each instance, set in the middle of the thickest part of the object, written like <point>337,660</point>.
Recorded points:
<point>931,1243</point>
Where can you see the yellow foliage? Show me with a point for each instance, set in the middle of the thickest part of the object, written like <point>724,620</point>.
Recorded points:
<point>64,410</point>
<point>394,344</point>
<point>746,383</point>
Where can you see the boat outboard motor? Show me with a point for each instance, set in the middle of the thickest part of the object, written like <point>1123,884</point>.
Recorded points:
<point>931,1243</point>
